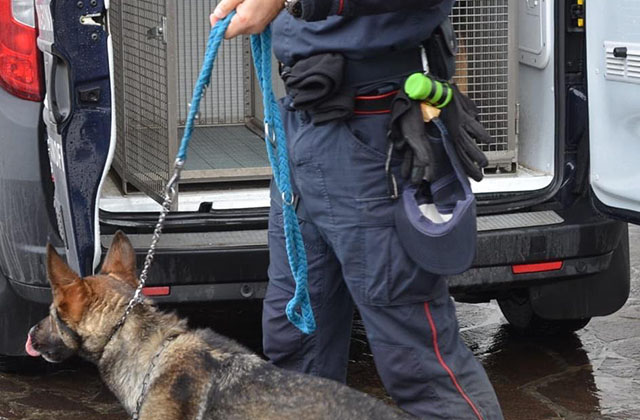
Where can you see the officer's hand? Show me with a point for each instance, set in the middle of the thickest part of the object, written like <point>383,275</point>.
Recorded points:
<point>252,16</point>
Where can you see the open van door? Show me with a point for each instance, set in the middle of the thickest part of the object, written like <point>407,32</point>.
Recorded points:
<point>613,65</point>
<point>77,113</point>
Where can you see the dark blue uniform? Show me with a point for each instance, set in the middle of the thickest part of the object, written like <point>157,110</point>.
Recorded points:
<point>366,34</point>
<point>353,252</point>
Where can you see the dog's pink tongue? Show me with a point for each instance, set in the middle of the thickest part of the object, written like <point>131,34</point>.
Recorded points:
<point>29,348</point>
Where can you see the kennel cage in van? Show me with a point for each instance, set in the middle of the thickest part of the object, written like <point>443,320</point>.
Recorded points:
<point>486,69</point>
<point>158,46</point>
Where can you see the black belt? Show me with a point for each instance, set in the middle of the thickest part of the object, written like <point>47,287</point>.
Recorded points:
<point>357,75</point>
<point>393,65</point>
<point>389,66</point>
<point>374,104</point>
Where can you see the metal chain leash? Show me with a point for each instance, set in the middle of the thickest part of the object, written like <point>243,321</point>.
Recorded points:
<point>169,196</point>
<point>147,376</point>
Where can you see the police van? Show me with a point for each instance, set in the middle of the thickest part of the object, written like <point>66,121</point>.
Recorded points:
<point>93,101</point>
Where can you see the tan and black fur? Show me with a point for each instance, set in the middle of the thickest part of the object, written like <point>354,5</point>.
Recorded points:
<point>198,375</point>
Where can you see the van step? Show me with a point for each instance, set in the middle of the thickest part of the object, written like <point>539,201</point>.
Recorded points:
<point>518,220</point>
<point>198,240</point>
<point>258,237</point>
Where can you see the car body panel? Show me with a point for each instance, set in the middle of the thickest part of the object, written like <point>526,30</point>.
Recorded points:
<point>613,77</point>
<point>79,132</point>
<point>26,220</point>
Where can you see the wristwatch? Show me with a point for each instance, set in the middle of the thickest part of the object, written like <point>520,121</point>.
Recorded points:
<point>294,7</point>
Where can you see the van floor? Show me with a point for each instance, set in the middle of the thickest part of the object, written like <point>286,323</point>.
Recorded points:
<point>232,196</point>
<point>225,147</point>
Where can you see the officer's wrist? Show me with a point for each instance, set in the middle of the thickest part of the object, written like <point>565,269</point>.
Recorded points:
<point>314,10</point>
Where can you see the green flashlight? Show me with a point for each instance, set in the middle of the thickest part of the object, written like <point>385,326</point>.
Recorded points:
<point>420,87</point>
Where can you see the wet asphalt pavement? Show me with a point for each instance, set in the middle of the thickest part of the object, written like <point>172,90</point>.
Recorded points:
<point>593,374</point>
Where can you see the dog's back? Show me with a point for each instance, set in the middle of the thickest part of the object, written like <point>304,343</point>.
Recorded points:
<point>223,380</point>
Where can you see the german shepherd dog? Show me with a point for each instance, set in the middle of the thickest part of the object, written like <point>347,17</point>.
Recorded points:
<point>160,369</point>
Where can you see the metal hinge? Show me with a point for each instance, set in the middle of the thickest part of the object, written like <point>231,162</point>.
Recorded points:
<point>517,128</point>
<point>93,19</point>
<point>159,32</point>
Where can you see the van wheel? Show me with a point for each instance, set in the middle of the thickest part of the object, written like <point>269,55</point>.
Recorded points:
<point>518,311</point>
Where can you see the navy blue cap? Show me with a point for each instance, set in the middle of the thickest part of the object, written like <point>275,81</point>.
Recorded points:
<point>436,222</point>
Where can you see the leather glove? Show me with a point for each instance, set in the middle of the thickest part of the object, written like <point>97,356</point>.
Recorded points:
<point>408,134</point>
<point>461,119</point>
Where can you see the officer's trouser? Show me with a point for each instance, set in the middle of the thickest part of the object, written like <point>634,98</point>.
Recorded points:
<point>346,217</point>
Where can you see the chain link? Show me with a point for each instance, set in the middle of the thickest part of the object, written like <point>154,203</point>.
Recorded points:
<point>147,376</point>
<point>169,195</point>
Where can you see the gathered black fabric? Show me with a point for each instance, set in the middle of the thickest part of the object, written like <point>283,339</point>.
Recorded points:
<point>407,132</point>
<point>337,107</point>
<point>315,85</point>
<point>314,79</point>
<point>466,132</point>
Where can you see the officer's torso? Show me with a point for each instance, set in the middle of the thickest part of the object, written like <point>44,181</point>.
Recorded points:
<point>356,38</point>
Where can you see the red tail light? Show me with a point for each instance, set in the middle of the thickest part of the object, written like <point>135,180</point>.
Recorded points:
<point>20,67</point>
<point>156,291</point>
<point>537,268</point>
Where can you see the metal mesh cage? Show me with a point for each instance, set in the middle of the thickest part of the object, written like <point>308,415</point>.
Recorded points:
<point>158,50</point>
<point>485,67</point>
<point>143,97</point>
<point>115,26</point>
<point>228,98</point>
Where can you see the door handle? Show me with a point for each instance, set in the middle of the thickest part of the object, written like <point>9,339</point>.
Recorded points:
<point>620,52</point>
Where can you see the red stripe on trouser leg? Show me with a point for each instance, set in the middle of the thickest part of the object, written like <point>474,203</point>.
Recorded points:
<point>340,7</point>
<point>436,348</point>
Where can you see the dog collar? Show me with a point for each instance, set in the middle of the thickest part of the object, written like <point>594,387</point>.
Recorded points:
<point>64,327</point>
<point>133,302</point>
<point>135,299</point>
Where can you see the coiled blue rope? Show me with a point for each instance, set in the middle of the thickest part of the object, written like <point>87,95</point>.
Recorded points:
<point>298,309</point>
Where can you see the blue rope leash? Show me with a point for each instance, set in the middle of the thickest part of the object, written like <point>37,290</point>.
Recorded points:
<point>298,309</point>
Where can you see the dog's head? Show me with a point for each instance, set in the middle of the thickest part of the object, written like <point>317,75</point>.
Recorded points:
<point>85,310</point>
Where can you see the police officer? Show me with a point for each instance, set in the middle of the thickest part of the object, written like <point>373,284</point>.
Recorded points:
<point>338,156</point>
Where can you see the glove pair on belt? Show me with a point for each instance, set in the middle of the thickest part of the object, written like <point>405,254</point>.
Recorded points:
<point>315,85</point>
<point>408,134</point>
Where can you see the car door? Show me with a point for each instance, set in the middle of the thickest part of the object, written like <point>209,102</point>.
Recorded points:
<point>77,113</point>
<point>613,63</point>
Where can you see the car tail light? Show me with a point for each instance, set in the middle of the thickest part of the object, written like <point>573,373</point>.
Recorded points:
<point>156,291</point>
<point>537,268</point>
<point>20,67</point>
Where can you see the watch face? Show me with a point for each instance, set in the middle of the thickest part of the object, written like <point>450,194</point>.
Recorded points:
<point>296,10</point>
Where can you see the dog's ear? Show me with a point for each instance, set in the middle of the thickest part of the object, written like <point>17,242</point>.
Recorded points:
<point>121,260</point>
<point>70,293</point>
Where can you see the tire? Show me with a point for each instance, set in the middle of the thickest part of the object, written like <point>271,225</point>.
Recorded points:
<point>518,311</point>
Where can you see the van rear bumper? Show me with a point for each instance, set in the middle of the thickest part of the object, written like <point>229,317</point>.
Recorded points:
<point>226,265</point>
<point>592,276</point>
